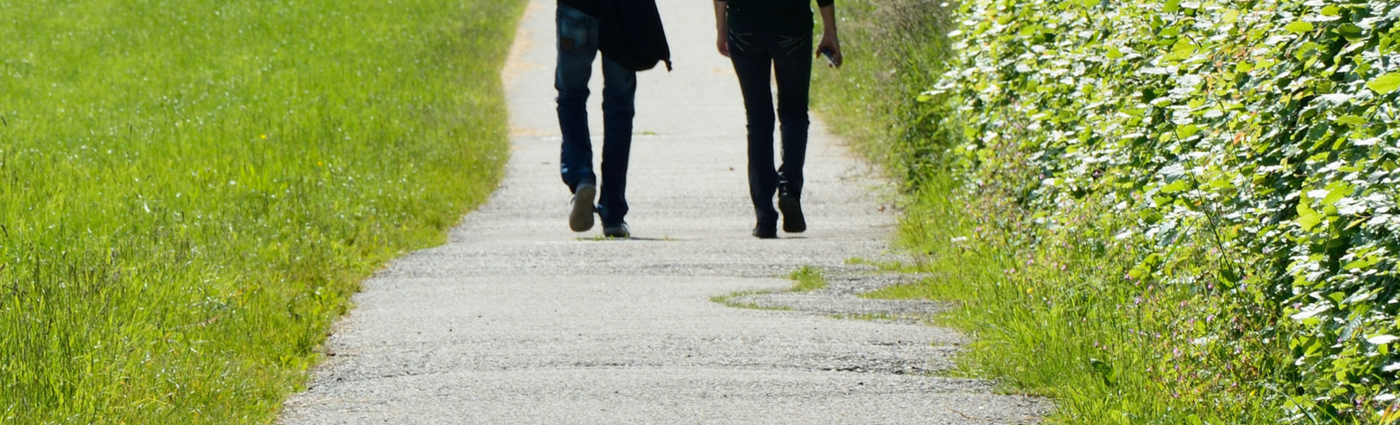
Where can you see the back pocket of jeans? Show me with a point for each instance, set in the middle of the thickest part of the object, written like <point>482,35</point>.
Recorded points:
<point>792,45</point>
<point>741,41</point>
<point>573,32</point>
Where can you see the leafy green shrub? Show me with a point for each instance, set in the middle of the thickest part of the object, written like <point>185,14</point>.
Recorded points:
<point>1028,306</point>
<point>1252,147</point>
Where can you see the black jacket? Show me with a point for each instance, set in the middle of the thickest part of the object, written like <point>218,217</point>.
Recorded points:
<point>588,7</point>
<point>790,17</point>
<point>630,33</point>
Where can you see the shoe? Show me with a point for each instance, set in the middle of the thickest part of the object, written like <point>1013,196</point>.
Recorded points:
<point>792,214</point>
<point>581,218</point>
<point>766,231</point>
<point>618,231</point>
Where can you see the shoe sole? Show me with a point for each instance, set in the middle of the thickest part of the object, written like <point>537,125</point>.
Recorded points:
<point>581,218</point>
<point>793,222</point>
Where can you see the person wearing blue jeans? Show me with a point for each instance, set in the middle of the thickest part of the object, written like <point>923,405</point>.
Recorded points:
<point>577,44</point>
<point>769,40</point>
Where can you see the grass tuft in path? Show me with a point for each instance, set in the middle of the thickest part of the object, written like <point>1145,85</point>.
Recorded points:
<point>190,190</point>
<point>807,279</point>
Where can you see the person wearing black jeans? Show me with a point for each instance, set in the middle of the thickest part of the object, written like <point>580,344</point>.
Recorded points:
<point>760,36</point>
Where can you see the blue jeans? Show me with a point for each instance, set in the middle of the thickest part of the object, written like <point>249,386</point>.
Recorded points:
<point>788,58</point>
<point>577,44</point>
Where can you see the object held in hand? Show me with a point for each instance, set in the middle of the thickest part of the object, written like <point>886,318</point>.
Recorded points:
<point>831,60</point>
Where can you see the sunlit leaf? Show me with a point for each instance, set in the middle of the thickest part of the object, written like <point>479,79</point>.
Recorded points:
<point>1385,84</point>
<point>1382,339</point>
<point>1352,120</point>
<point>1298,27</point>
<point>1176,186</point>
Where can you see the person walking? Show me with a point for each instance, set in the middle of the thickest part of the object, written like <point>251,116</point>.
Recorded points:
<point>769,40</point>
<point>630,36</point>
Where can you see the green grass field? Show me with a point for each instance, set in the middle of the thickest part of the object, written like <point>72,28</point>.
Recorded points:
<point>190,190</point>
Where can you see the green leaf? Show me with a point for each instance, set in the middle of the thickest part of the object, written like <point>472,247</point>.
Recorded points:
<point>1310,221</point>
<point>1105,371</point>
<point>1351,120</point>
<point>1231,16</point>
<point>1307,217</point>
<point>1313,348</point>
<point>1177,186</point>
<point>1298,27</point>
<point>1187,131</point>
<point>1350,31</point>
<point>1229,276</point>
<point>1359,264</point>
<point>1382,339</point>
<point>1172,6</point>
<point>1337,190</point>
<point>1385,84</point>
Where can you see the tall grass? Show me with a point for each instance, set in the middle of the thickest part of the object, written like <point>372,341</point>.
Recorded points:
<point>1058,317</point>
<point>190,190</point>
<point>896,50</point>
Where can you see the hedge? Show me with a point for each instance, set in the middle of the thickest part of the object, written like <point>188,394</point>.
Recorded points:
<point>1252,145</point>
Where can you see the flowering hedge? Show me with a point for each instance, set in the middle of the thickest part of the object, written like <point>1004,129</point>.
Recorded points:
<point>1266,134</point>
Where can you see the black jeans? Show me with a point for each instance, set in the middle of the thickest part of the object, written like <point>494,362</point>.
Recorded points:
<point>789,59</point>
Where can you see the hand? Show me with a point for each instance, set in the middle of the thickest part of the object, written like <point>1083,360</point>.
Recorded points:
<point>830,43</point>
<point>722,27</point>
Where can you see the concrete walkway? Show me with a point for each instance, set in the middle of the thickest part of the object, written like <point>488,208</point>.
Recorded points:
<point>517,320</point>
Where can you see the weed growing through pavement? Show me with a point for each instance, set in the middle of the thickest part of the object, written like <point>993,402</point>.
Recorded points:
<point>731,300</point>
<point>807,279</point>
<point>883,266</point>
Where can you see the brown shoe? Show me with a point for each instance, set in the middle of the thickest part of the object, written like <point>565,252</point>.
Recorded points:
<point>581,217</point>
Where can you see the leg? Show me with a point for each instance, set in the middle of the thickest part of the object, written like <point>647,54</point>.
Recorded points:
<point>577,46</point>
<point>752,64</point>
<point>619,94</point>
<point>793,70</point>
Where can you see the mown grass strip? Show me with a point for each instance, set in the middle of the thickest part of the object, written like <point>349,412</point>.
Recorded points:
<point>190,190</point>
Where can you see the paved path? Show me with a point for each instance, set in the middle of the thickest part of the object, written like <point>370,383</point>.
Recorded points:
<point>517,320</point>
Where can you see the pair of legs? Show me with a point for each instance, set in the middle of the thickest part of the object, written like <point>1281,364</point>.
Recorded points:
<point>757,57</point>
<point>578,46</point>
